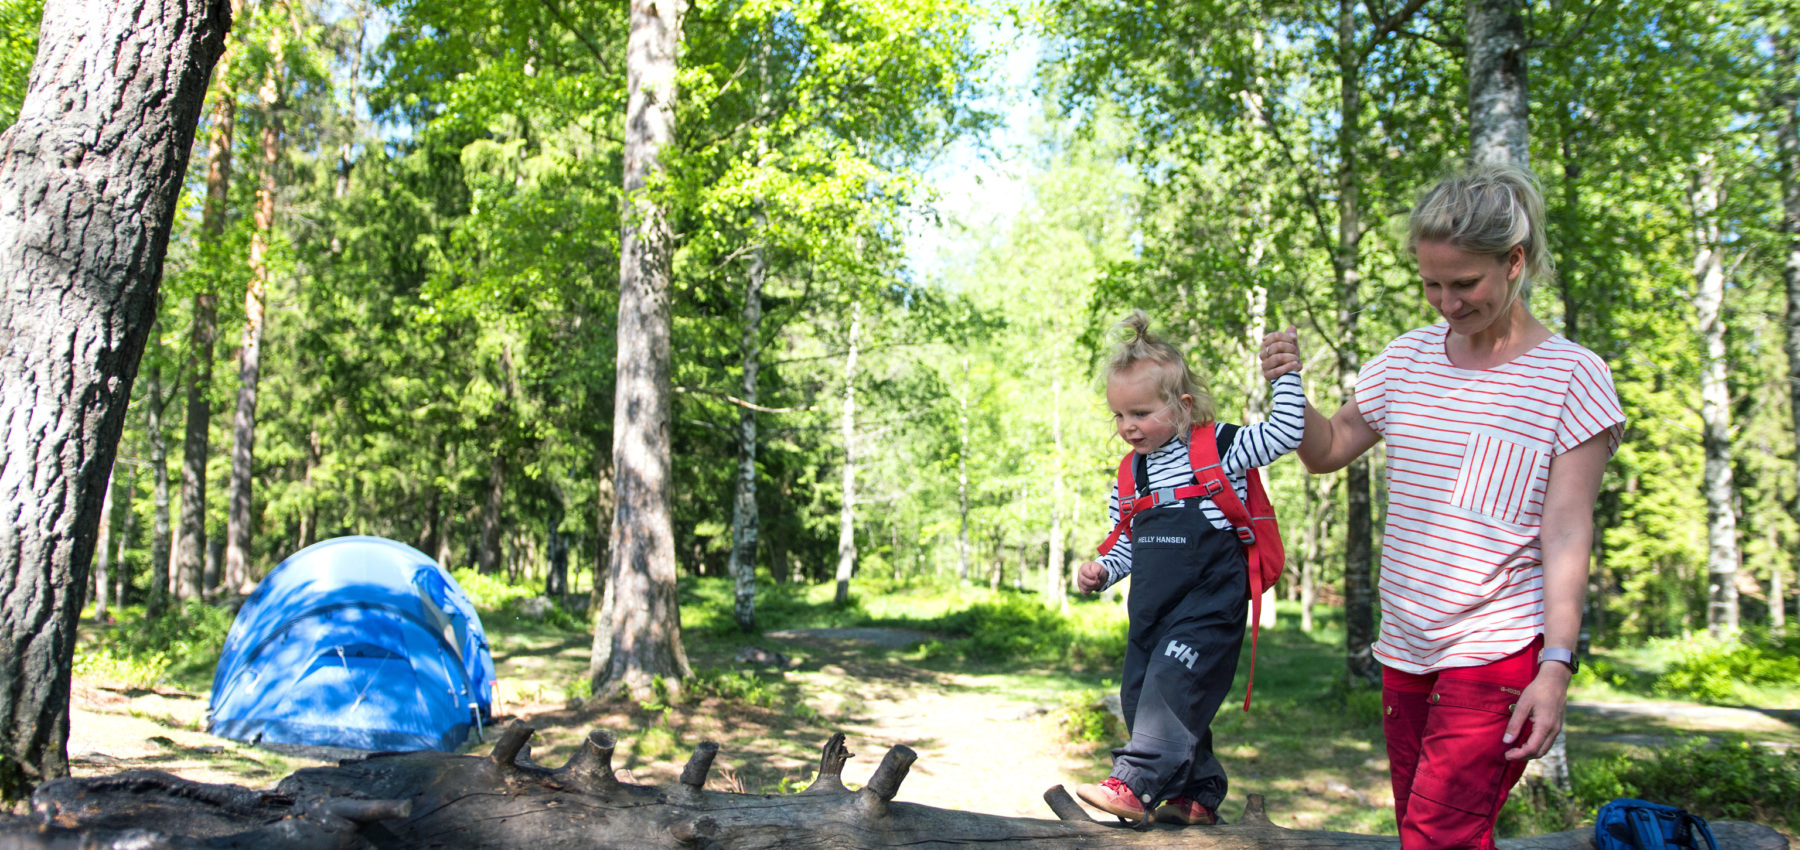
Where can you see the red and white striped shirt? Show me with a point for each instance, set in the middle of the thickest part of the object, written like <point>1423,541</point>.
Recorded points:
<point>1468,461</point>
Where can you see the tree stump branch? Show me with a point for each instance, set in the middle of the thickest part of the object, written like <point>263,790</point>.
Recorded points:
<point>428,799</point>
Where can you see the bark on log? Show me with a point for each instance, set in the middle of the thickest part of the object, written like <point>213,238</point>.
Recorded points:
<point>411,800</point>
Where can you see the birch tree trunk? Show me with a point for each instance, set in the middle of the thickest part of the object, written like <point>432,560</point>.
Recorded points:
<point>1715,403</point>
<point>962,478</point>
<point>1787,56</point>
<point>847,428</point>
<point>646,624</point>
<point>90,176</point>
<point>238,519</point>
<point>1055,588</point>
<point>1499,110</point>
<point>103,547</point>
<point>744,520</point>
<point>1359,607</point>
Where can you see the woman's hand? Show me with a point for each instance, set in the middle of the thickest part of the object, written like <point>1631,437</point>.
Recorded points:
<point>1542,704</point>
<point>1281,353</point>
<point>1091,577</point>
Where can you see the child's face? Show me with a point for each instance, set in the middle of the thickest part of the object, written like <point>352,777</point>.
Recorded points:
<point>1143,418</point>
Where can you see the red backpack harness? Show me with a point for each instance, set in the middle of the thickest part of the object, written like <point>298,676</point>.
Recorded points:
<point>1255,527</point>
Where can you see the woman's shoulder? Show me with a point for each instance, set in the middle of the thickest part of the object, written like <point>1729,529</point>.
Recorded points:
<point>1417,344</point>
<point>1564,354</point>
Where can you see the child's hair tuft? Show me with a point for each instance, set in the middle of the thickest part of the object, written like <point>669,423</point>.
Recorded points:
<point>1136,345</point>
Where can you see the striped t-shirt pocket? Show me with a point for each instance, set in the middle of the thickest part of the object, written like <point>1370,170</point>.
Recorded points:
<point>1496,477</point>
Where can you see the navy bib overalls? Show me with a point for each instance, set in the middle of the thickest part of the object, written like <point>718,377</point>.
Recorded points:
<point>1189,598</point>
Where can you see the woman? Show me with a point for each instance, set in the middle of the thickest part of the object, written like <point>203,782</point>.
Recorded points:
<point>1497,431</point>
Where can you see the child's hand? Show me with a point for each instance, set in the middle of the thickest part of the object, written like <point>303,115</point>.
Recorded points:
<point>1091,577</point>
<point>1281,353</point>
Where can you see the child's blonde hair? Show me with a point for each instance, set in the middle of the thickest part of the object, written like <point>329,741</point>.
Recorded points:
<point>1173,377</point>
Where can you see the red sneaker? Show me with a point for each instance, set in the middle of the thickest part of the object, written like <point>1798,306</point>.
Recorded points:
<point>1185,810</point>
<point>1114,798</point>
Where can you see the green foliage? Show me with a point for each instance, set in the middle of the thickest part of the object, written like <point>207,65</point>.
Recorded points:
<point>1014,629</point>
<point>502,603</point>
<point>181,646</point>
<point>1083,716</point>
<point>18,47</point>
<point>1731,778</point>
<point>1719,671</point>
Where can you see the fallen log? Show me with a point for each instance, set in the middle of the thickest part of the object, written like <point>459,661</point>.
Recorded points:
<point>503,800</point>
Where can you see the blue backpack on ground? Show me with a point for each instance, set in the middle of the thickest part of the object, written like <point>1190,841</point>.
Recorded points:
<point>1628,824</point>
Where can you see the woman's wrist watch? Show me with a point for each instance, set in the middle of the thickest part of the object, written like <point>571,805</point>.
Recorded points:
<point>1557,653</point>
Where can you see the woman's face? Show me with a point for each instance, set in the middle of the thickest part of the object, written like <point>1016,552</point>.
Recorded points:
<point>1468,290</point>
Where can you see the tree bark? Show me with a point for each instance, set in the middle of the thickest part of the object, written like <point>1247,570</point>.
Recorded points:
<point>1715,403</point>
<point>646,624</point>
<point>1359,607</point>
<point>89,181</point>
<point>103,547</point>
<point>962,478</point>
<point>503,800</point>
<point>846,565</point>
<point>187,569</point>
<point>489,554</point>
<point>1499,110</point>
<point>239,519</point>
<point>744,518</point>
<point>159,471</point>
<point>1055,588</point>
<point>1787,56</point>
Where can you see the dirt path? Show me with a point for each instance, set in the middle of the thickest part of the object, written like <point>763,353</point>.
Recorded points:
<point>985,742</point>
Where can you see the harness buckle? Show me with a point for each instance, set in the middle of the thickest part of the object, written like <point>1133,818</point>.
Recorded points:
<point>1246,535</point>
<point>1213,487</point>
<point>1162,497</point>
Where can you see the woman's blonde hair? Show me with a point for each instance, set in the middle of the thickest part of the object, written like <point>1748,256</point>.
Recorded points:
<point>1173,377</point>
<point>1487,210</point>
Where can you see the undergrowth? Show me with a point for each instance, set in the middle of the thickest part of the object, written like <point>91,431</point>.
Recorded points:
<point>180,647</point>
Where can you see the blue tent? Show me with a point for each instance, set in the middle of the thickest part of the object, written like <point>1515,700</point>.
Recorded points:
<point>355,642</point>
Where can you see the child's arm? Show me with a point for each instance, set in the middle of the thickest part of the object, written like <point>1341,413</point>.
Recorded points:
<point>1112,567</point>
<point>1260,444</point>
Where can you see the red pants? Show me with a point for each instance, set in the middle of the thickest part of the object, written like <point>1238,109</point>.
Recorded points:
<point>1445,751</point>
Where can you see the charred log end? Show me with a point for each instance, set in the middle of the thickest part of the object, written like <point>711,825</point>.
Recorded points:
<point>694,775</point>
<point>691,831</point>
<point>1065,806</point>
<point>1254,813</point>
<point>591,765</point>
<point>833,756</point>
<point>831,768</point>
<point>886,781</point>
<point>511,741</point>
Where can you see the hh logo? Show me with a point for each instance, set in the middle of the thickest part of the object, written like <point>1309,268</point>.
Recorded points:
<point>1182,654</point>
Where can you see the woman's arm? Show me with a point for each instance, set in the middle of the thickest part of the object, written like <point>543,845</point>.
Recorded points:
<point>1327,445</point>
<point>1566,536</point>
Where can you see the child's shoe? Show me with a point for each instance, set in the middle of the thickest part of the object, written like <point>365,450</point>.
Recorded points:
<point>1113,797</point>
<point>1185,810</point>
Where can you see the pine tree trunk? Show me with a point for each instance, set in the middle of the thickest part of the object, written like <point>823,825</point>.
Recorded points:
<point>646,624</point>
<point>489,555</point>
<point>90,177</point>
<point>159,471</point>
<point>1715,404</point>
<point>1787,54</point>
<point>1499,109</point>
<point>743,511</point>
<point>239,521</point>
<point>846,565</point>
<point>187,569</point>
